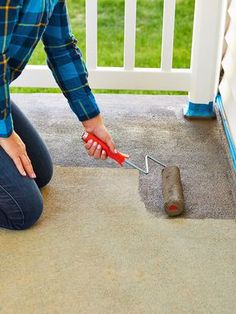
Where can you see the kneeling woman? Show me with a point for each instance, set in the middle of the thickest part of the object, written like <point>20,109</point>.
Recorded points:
<point>25,162</point>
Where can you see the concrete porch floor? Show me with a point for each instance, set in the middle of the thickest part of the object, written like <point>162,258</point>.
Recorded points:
<point>143,125</point>
<point>114,250</point>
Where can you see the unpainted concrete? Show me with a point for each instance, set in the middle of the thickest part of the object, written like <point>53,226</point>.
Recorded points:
<point>97,250</point>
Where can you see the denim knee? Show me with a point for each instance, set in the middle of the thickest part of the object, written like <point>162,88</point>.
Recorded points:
<point>31,213</point>
<point>43,180</point>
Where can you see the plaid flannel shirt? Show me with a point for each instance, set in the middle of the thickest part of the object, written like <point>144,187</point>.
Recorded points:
<point>22,24</point>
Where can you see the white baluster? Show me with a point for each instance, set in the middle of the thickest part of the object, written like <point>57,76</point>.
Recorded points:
<point>168,35</point>
<point>130,34</point>
<point>91,34</point>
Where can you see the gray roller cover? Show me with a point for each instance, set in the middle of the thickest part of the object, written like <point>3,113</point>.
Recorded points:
<point>172,191</point>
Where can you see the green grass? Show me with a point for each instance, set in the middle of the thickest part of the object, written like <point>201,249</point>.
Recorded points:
<point>111,37</point>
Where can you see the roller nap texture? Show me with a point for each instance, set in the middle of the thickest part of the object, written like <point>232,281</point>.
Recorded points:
<point>172,191</point>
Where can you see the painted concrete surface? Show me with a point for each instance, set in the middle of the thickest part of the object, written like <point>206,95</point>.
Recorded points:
<point>96,249</point>
<point>144,125</point>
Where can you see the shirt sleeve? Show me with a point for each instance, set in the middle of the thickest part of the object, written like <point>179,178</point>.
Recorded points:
<point>9,10</point>
<point>65,60</point>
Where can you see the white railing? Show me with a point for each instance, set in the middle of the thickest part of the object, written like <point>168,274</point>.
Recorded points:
<point>129,76</point>
<point>200,80</point>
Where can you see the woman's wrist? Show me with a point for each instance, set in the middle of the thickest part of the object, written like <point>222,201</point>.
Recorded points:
<point>91,124</point>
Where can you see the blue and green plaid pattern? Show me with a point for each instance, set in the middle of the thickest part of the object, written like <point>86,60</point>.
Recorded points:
<point>22,24</point>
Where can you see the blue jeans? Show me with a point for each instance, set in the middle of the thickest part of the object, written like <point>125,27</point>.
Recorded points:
<point>21,202</point>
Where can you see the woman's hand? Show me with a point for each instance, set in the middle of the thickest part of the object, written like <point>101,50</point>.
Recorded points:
<point>96,126</point>
<point>16,149</point>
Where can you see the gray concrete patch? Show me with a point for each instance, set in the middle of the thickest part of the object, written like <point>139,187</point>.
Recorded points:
<point>143,125</point>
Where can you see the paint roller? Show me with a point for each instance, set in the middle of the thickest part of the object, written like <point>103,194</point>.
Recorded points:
<point>172,188</point>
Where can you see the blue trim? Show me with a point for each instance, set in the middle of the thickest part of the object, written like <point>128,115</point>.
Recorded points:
<point>232,147</point>
<point>205,111</point>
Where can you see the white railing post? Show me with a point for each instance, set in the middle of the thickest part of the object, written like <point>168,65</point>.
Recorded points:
<point>168,35</point>
<point>91,34</point>
<point>130,34</point>
<point>205,58</point>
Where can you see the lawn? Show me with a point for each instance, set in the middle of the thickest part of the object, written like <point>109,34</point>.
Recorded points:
<point>111,38</point>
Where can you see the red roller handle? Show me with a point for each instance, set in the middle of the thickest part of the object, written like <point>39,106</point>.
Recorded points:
<point>118,157</point>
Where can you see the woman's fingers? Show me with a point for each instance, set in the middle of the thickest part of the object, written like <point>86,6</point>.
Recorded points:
<point>97,152</point>
<point>93,148</point>
<point>103,155</point>
<point>27,165</point>
<point>16,149</point>
<point>19,166</point>
<point>111,144</point>
<point>89,144</point>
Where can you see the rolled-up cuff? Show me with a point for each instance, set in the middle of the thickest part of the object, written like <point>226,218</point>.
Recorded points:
<point>6,126</point>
